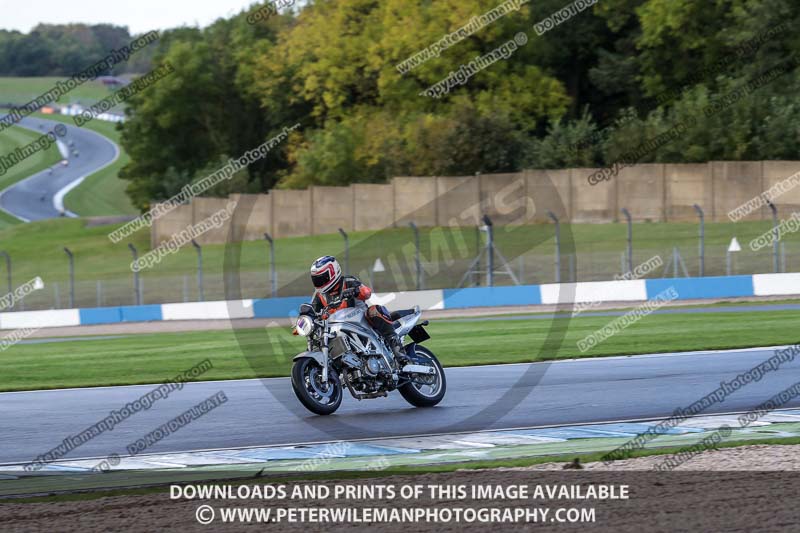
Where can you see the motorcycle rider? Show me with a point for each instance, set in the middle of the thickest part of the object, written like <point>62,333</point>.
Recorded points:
<point>335,291</point>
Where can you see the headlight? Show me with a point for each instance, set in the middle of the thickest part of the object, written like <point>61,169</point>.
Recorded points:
<point>304,325</point>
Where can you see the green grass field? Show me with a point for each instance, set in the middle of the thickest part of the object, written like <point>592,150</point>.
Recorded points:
<point>156,357</point>
<point>102,193</point>
<point>21,90</point>
<point>10,139</point>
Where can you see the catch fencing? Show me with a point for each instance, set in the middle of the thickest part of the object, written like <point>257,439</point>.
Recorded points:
<point>447,258</point>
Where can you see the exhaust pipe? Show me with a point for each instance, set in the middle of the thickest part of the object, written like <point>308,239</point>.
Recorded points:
<point>419,369</point>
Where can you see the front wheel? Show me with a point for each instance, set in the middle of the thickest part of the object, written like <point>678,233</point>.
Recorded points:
<point>426,391</point>
<point>318,397</point>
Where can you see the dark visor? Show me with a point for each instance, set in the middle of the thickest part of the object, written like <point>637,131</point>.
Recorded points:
<point>321,279</point>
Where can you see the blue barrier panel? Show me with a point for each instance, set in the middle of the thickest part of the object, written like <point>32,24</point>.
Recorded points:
<point>697,288</point>
<point>100,315</point>
<point>278,307</point>
<point>492,296</point>
<point>140,313</point>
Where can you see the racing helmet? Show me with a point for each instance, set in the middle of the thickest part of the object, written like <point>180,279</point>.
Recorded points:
<point>325,273</point>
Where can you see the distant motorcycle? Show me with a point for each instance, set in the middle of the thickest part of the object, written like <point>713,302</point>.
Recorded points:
<point>344,351</point>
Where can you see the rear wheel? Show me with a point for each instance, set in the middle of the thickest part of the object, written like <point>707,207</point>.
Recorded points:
<point>425,391</point>
<point>318,397</point>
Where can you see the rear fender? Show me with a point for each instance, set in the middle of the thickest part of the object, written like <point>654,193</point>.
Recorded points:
<point>411,352</point>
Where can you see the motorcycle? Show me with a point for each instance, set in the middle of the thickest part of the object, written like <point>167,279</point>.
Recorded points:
<point>344,351</point>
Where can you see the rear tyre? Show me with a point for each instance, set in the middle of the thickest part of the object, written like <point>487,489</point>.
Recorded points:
<point>421,394</point>
<point>318,397</point>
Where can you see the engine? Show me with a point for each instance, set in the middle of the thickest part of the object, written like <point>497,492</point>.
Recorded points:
<point>367,374</point>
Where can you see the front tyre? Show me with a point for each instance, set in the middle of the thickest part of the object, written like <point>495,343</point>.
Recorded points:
<point>428,391</point>
<point>318,397</point>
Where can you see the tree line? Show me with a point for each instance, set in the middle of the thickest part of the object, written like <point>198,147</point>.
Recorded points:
<point>65,49</point>
<point>587,92</point>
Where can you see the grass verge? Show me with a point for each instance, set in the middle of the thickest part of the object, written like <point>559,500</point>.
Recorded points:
<point>22,89</point>
<point>154,358</point>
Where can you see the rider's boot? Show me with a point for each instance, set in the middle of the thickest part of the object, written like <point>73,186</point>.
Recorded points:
<point>394,344</point>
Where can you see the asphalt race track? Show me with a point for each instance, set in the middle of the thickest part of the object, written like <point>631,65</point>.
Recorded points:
<point>265,412</point>
<point>33,197</point>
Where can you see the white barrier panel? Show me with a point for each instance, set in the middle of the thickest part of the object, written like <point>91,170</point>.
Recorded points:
<point>40,319</point>
<point>426,300</point>
<point>776,284</point>
<point>208,310</point>
<point>595,291</point>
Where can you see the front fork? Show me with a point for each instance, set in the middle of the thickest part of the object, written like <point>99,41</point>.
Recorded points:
<point>325,338</point>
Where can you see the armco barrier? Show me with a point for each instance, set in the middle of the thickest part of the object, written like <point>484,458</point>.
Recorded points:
<point>776,284</point>
<point>597,291</point>
<point>693,289</point>
<point>208,310</point>
<point>492,296</point>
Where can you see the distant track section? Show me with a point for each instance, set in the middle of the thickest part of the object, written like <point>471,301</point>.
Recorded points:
<point>41,196</point>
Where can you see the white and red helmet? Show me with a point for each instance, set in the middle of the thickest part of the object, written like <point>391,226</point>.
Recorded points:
<point>325,273</point>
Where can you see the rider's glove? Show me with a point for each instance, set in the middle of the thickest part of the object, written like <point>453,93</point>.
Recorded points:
<point>349,293</point>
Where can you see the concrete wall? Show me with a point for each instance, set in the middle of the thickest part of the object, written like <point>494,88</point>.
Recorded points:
<point>777,171</point>
<point>504,197</point>
<point>415,200</point>
<point>292,213</point>
<point>170,224</point>
<point>592,203</point>
<point>651,192</point>
<point>687,185</point>
<point>333,209</point>
<point>253,216</point>
<point>458,200</point>
<point>550,190</point>
<point>735,182</point>
<point>640,190</point>
<point>204,209</point>
<point>374,206</point>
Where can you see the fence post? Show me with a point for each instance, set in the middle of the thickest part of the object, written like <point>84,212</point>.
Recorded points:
<point>630,238</point>
<point>8,274</point>
<point>199,270</point>
<point>489,251</point>
<point>71,277</point>
<point>136,292</point>
<point>478,251</point>
<point>702,239</point>
<point>775,253</point>
<point>554,218</point>
<point>273,279</point>
<point>416,254</point>
<point>346,250</point>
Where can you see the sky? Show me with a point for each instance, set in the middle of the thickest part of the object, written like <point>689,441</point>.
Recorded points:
<point>138,15</point>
